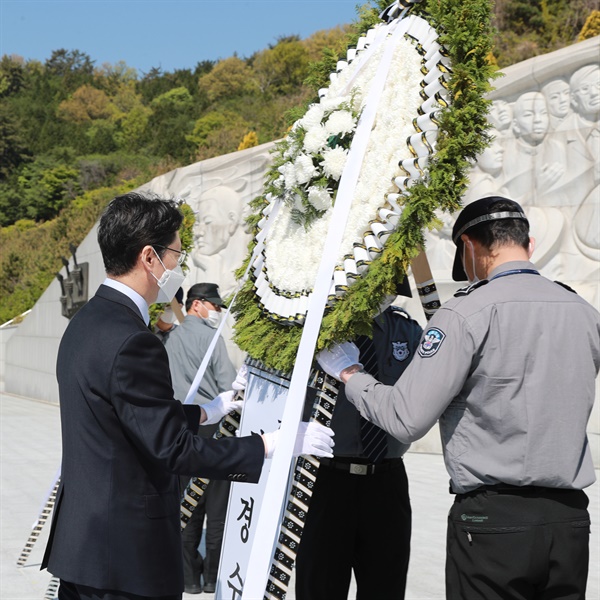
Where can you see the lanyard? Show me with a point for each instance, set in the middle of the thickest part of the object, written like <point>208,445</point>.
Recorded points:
<point>515,272</point>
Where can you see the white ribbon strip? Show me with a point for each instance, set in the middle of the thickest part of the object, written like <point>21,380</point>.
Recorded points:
<point>276,487</point>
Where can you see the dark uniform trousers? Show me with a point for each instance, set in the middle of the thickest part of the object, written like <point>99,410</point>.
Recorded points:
<point>71,591</point>
<point>511,543</point>
<point>213,505</point>
<point>374,540</point>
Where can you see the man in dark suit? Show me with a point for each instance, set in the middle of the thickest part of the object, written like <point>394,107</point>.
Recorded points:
<point>116,531</point>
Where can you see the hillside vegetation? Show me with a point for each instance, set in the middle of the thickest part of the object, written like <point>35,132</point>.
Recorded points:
<point>74,134</point>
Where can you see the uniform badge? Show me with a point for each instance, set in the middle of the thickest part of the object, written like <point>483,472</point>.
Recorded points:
<point>431,342</point>
<point>400,350</point>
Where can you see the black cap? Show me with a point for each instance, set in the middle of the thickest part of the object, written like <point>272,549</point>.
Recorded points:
<point>476,213</point>
<point>206,291</point>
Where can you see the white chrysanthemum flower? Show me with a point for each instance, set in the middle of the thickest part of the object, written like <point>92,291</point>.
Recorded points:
<point>334,161</point>
<point>289,174</point>
<point>312,117</point>
<point>340,122</point>
<point>329,104</point>
<point>315,139</point>
<point>305,170</point>
<point>319,197</point>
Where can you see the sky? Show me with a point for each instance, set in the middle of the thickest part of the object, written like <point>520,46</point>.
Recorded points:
<point>174,34</point>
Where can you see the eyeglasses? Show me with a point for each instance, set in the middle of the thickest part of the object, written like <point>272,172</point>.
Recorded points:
<point>182,253</point>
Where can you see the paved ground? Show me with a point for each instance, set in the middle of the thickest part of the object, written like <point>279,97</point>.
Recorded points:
<point>30,455</point>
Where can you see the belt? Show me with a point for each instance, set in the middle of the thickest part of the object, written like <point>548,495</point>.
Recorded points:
<point>521,490</point>
<point>357,468</point>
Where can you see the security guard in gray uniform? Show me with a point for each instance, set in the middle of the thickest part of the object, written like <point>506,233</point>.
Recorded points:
<point>508,366</point>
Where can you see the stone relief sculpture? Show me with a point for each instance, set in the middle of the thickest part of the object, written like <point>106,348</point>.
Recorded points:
<point>545,153</point>
<point>220,237</point>
<point>534,164</point>
<point>218,190</point>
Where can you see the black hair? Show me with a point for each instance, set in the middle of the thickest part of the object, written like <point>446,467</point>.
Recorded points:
<point>132,221</point>
<point>189,301</point>
<point>501,232</point>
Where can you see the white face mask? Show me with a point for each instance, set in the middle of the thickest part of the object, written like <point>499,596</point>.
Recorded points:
<point>213,318</point>
<point>169,282</point>
<point>475,279</point>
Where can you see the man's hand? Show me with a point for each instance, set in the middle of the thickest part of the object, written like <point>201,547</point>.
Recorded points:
<point>216,409</point>
<point>339,358</point>
<point>312,438</point>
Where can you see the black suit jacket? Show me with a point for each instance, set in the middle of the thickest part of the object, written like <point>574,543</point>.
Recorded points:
<point>125,439</point>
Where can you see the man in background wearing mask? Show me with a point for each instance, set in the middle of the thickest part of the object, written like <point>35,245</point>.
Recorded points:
<point>186,346</point>
<point>116,532</point>
<point>512,418</point>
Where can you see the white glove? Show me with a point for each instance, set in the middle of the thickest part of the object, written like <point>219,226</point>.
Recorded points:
<point>312,438</point>
<point>338,358</point>
<point>241,379</point>
<point>220,406</point>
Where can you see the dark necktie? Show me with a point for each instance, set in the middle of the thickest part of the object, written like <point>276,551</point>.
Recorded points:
<point>374,439</point>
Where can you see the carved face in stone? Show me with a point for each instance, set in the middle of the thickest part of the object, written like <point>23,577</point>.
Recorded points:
<point>219,214</point>
<point>585,85</point>
<point>558,98</point>
<point>500,115</point>
<point>490,160</point>
<point>531,118</point>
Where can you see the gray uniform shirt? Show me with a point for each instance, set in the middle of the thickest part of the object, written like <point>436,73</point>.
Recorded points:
<point>186,346</point>
<point>509,370</point>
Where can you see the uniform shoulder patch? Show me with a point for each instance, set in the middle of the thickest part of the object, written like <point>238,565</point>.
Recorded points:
<point>467,290</point>
<point>431,342</point>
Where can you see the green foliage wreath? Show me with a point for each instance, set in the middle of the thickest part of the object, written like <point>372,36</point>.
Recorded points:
<point>465,30</point>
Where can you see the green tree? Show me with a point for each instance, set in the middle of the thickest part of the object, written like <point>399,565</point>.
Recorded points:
<point>283,68</point>
<point>217,133</point>
<point>178,100</point>
<point>229,77</point>
<point>13,149</point>
<point>170,123</point>
<point>86,104</point>
<point>45,188</point>
<point>12,75</point>
<point>335,38</point>
<point>133,126</point>
<point>102,137</point>
<point>111,78</point>
<point>72,67</point>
